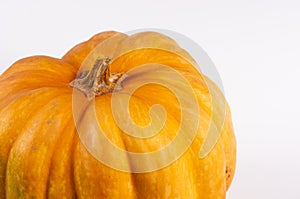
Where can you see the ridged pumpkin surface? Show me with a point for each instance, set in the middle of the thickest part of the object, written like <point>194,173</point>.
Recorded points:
<point>41,155</point>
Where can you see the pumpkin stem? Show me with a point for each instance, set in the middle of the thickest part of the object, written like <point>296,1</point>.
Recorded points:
<point>97,81</point>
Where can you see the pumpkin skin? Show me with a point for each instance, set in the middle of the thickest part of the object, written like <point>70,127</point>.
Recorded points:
<point>41,155</point>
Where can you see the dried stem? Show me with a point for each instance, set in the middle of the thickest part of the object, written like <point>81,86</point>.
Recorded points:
<point>97,81</point>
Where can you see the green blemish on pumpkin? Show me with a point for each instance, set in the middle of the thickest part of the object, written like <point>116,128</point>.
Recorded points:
<point>16,189</point>
<point>20,192</point>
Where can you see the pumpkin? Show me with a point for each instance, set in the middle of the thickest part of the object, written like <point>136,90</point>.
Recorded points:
<point>42,153</point>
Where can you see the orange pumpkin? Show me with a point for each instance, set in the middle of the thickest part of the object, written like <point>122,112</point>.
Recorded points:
<point>43,156</point>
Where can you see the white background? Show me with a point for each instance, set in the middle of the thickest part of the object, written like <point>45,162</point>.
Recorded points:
<point>255,46</point>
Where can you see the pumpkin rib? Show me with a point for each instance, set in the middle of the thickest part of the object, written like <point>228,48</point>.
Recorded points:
<point>75,140</point>
<point>229,142</point>
<point>23,76</point>
<point>159,184</point>
<point>165,98</point>
<point>141,188</point>
<point>88,184</point>
<point>211,169</point>
<point>142,182</point>
<point>197,80</point>
<point>152,40</point>
<point>5,101</point>
<point>60,180</point>
<point>138,57</point>
<point>36,77</point>
<point>12,116</point>
<point>207,118</point>
<point>40,63</point>
<point>93,179</point>
<point>31,151</point>
<point>226,134</point>
<point>52,77</point>
<point>139,113</point>
<point>34,72</point>
<point>200,98</point>
<point>134,181</point>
